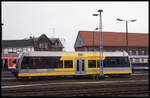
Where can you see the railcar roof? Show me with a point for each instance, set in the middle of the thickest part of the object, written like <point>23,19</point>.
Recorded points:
<point>55,53</point>
<point>139,56</point>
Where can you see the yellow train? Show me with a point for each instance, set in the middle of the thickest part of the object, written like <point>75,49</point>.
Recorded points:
<point>42,63</point>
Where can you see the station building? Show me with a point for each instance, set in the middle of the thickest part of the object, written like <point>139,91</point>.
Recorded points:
<point>41,43</point>
<point>112,41</point>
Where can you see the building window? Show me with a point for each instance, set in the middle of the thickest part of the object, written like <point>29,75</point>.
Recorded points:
<point>9,49</point>
<point>14,50</point>
<point>28,49</point>
<point>6,50</point>
<point>130,52</point>
<point>46,45</point>
<point>40,45</point>
<point>146,52</point>
<point>142,52</point>
<point>24,49</point>
<point>137,52</point>
<point>32,49</point>
<point>19,49</point>
<point>133,52</point>
<point>43,45</point>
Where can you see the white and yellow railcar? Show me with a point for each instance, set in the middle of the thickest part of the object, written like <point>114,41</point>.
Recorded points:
<point>42,63</point>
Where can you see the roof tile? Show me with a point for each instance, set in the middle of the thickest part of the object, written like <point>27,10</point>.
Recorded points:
<point>115,38</point>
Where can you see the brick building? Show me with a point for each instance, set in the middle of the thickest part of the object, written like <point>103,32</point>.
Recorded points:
<point>112,41</point>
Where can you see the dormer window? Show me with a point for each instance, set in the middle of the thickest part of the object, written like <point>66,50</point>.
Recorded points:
<point>40,45</point>
<point>43,45</point>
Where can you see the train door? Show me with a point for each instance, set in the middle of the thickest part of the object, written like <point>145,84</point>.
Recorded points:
<point>5,65</point>
<point>80,66</point>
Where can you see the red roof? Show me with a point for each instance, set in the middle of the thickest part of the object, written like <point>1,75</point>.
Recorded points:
<point>115,39</point>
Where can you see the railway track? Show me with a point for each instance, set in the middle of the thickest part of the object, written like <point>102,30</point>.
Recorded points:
<point>8,76</point>
<point>118,86</point>
<point>136,85</point>
<point>115,89</point>
<point>133,76</point>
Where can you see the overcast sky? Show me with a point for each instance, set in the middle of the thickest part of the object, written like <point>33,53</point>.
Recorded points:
<point>65,19</point>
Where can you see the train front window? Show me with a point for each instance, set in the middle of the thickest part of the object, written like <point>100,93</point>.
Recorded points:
<point>25,63</point>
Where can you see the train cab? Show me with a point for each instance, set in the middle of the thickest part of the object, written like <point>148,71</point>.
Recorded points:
<point>9,61</point>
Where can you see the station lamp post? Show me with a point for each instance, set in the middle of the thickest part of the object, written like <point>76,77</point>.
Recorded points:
<point>101,46</point>
<point>126,30</point>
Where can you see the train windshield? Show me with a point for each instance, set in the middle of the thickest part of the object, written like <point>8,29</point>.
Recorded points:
<point>18,61</point>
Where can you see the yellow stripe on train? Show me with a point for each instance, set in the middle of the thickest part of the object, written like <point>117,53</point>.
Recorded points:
<point>110,72</point>
<point>70,73</point>
<point>46,74</point>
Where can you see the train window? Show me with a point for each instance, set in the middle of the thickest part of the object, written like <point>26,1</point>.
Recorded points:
<point>98,63</point>
<point>137,60</point>
<point>44,62</point>
<point>145,60</point>
<point>59,64</point>
<point>113,61</point>
<point>68,64</point>
<point>116,62</point>
<point>33,61</point>
<point>91,63</point>
<point>82,65</point>
<point>14,61</point>
<point>124,62</point>
<point>25,63</point>
<point>51,62</point>
<point>41,62</point>
<point>132,59</point>
<point>142,59</point>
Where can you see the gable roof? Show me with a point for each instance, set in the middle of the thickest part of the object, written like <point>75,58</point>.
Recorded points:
<point>53,41</point>
<point>56,40</point>
<point>42,36</point>
<point>114,39</point>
